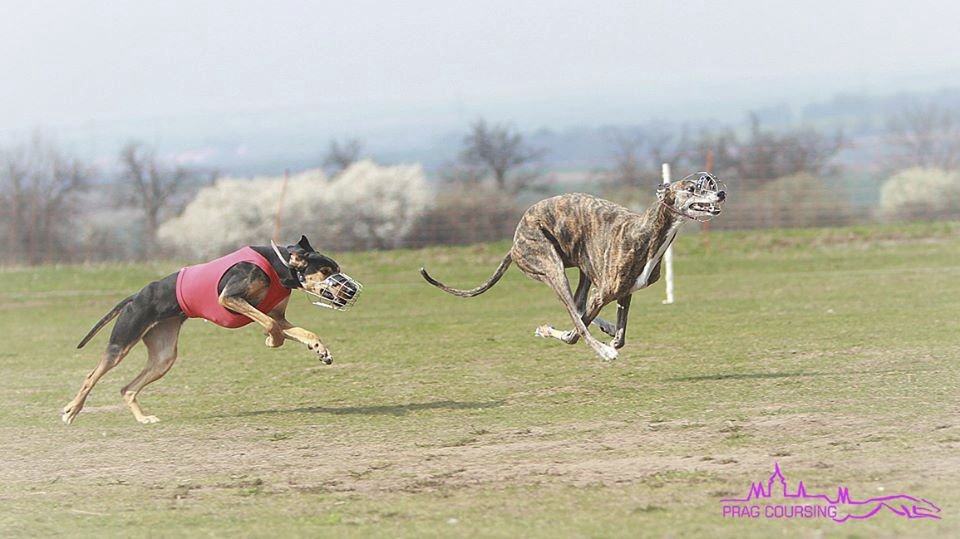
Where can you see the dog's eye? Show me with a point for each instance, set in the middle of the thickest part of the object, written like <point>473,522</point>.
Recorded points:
<point>691,189</point>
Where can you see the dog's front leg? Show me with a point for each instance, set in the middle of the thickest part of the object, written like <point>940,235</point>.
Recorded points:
<point>619,330</point>
<point>623,309</point>
<point>588,313</point>
<point>277,338</point>
<point>242,306</point>
<point>277,330</point>
<point>308,338</point>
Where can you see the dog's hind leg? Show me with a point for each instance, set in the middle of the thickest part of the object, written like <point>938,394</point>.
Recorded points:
<point>127,332</point>
<point>557,280</point>
<point>580,301</point>
<point>161,342</point>
<point>580,296</point>
<point>535,254</point>
<point>560,286</point>
<point>587,314</point>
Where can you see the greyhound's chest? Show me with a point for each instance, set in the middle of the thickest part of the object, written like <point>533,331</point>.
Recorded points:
<point>645,278</point>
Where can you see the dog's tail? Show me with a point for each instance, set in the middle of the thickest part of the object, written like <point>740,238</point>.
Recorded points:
<point>105,320</point>
<point>476,291</point>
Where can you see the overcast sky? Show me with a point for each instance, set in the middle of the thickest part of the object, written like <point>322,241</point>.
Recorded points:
<point>69,62</point>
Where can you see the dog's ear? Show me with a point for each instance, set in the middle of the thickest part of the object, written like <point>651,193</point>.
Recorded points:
<point>298,255</point>
<point>662,191</point>
<point>304,244</point>
<point>298,259</point>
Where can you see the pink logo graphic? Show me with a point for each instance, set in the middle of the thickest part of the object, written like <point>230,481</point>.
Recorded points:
<point>766,501</point>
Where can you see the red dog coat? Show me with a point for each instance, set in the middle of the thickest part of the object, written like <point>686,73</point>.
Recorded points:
<point>197,288</point>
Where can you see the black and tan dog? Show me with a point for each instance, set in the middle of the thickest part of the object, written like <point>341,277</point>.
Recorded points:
<point>616,250</point>
<point>251,284</point>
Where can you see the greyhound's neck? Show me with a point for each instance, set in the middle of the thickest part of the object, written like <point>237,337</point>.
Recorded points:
<point>657,229</point>
<point>663,223</point>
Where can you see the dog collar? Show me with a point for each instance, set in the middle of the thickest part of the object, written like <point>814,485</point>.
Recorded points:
<point>296,276</point>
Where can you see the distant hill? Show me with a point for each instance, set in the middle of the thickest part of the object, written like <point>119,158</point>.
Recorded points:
<point>267,142</point>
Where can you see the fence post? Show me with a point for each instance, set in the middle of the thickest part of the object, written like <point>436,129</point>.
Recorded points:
<point>706,224</point>
<point>279,215</point>
<point>667,262</point>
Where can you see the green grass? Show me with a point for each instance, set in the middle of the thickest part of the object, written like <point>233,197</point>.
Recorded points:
<point>832,352</point>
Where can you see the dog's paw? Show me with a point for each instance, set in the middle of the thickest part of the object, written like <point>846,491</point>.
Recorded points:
<point>543,331</point>
<point>68,415</point>
<point>148,419</point>
<point>322,352</point>
<point>619,340</point>
<point>607,353</point>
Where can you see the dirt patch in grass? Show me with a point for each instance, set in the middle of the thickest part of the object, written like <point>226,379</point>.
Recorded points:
<point>307,458</point>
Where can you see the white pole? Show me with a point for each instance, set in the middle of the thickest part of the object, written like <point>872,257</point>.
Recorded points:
<point>667,263</point>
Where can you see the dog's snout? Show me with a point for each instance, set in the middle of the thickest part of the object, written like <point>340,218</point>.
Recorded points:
<point>350,290</point>
<point>721,195</point>
<point>344,286</point>
<point>337,291</point>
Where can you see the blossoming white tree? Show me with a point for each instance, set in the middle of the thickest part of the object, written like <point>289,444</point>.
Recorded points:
<point>366,206</point>
<point>921,193</point>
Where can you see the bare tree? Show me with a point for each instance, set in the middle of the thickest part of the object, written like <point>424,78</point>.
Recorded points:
<point>340,156</point>
<point>806,150</point>
<point>629,163</point>
<point>767,155</point>
<point>926,136</point>
<point>38,189</point>
<point>459,173</point>
<point>501,151</point>
<point>639,152</point>
<point>720,145</point>
<point>757,156</point>
<point>152,186</point>
<point>663,146</point>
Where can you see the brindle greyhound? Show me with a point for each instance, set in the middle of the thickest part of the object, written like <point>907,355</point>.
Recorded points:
<point>252,284</point>
<point>616,250</point>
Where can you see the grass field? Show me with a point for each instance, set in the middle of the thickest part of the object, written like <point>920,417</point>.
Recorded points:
<point>834,353</point>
